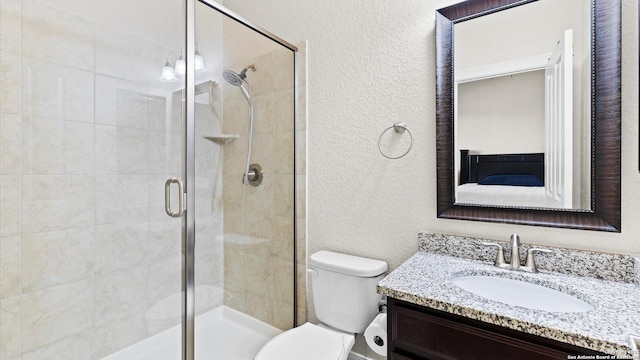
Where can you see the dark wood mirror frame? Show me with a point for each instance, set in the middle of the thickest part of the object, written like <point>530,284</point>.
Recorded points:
<point>605,123</point>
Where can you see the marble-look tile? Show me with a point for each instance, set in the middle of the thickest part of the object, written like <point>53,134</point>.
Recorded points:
<point>259,306</point>
<point>176,115</point>
<point>282,245</point>
<point>301,152</point>
<point>10,259</point>
<point>283,153</point>
<point>233,222</point>
<point>57,91</point>
<point>283,316</point>
<point>236,117</point>
<point>234,269</point>
<point>235,299</point>
<point>56,313</point>
<point>262,152</point>
<point>121,103</point>
<point>57,147</point>
<point>57,36</point>
<point>210,229</point>
<point>260,273</point>
<point>120,295</point>
<point>263,114</point>
<point>163,148</point>
<point>283,70</point>
<point>11,200</point>
<point>235,158</point>
<point>122,151</point>
<point>163,278</point>
<point>164,240</point>
<point>301,109</point>
<point>11,84</point>
<point>56,257</point>
<point>57,202</point>
<point>260,226</point>
<point>207,116</point>
<point>10,144</point>
<point>301,242</point>
<point>120,246</point>
<point>121,198</point>
<point>263,79</point>
<point>207,190</point>
<point>209,263</point>
<point>283,276</point>
<point>301,192</point>
<point>10,325</point>
<point>128,57</point>
<point>159,119</point>
<point>209,166</point>
<point>118,334</point>
<point>11,26</point>
<point>233,193</point>
<point>284,111</point>
<point>301,291</point>
<point>77,346</point>
<point>284,191</point>
<point>260,199</point>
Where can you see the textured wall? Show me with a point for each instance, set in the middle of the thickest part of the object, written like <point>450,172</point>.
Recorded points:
<point>370,64</point>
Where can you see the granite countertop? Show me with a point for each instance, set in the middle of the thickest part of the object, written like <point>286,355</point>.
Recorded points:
<point>425,279</point>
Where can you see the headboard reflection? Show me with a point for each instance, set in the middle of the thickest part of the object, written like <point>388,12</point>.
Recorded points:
<point>474,168</point>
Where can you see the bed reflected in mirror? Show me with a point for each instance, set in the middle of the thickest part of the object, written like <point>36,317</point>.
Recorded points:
<point>522,92</point>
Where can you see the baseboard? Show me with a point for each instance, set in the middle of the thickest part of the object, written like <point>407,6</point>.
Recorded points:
<point>356,356</point>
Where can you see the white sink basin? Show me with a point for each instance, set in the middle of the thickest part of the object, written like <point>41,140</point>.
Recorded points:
<point>520,293</point>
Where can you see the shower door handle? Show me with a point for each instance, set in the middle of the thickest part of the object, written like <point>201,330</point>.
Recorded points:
<point>167,197</point>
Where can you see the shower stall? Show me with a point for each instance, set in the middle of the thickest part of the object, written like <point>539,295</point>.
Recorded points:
<point>148,205</point>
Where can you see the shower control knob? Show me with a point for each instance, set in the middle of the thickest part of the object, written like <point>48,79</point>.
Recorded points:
<point>254,176</point>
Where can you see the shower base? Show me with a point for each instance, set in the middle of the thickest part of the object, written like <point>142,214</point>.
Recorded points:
<point>222,333</point>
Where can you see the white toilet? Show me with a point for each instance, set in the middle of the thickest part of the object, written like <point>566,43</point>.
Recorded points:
<point>345,300</point>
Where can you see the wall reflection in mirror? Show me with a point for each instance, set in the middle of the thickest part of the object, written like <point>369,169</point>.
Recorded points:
<point>522,112</point>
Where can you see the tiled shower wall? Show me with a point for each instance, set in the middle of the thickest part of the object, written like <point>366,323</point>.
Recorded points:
<point>87,141</point>
<point>259,269</point>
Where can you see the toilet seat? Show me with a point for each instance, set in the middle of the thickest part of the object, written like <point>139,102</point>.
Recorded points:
<point>309,342</point>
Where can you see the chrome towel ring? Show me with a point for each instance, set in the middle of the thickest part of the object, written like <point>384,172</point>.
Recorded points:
<point>399,127</point>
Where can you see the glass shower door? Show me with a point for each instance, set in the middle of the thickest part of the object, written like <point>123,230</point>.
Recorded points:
<point>244,136</point>
<point>90,263</point>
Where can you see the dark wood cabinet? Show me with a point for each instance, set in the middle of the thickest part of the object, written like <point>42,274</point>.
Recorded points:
<point>420,333</point>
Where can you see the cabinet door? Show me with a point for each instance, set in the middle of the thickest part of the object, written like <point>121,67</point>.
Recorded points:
<point>396,356</point>
<point>418,333</point>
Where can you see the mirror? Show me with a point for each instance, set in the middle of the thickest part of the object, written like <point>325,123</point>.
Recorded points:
<point>518,89</point>
<point>526,134</point>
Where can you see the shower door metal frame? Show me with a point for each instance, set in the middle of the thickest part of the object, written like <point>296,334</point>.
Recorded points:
<point>188,167</point>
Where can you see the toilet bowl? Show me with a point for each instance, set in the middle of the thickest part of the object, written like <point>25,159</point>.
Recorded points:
<point>315,342</point>
<point>345,302</point>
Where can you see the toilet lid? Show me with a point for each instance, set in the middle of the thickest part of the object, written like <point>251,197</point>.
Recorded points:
<point>309,342</point>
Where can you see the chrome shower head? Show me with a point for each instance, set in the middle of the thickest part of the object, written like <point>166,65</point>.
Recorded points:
<point>236,79</point>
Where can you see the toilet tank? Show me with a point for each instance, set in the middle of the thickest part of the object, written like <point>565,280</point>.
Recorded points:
<point>344,289</point>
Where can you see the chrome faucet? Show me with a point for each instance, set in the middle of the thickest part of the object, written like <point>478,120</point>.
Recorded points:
<point>515,252</point>
<point>514,264</point>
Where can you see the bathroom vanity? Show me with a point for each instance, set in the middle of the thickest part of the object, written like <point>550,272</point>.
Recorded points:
<point>418,332</point>
<point>430,317</point>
